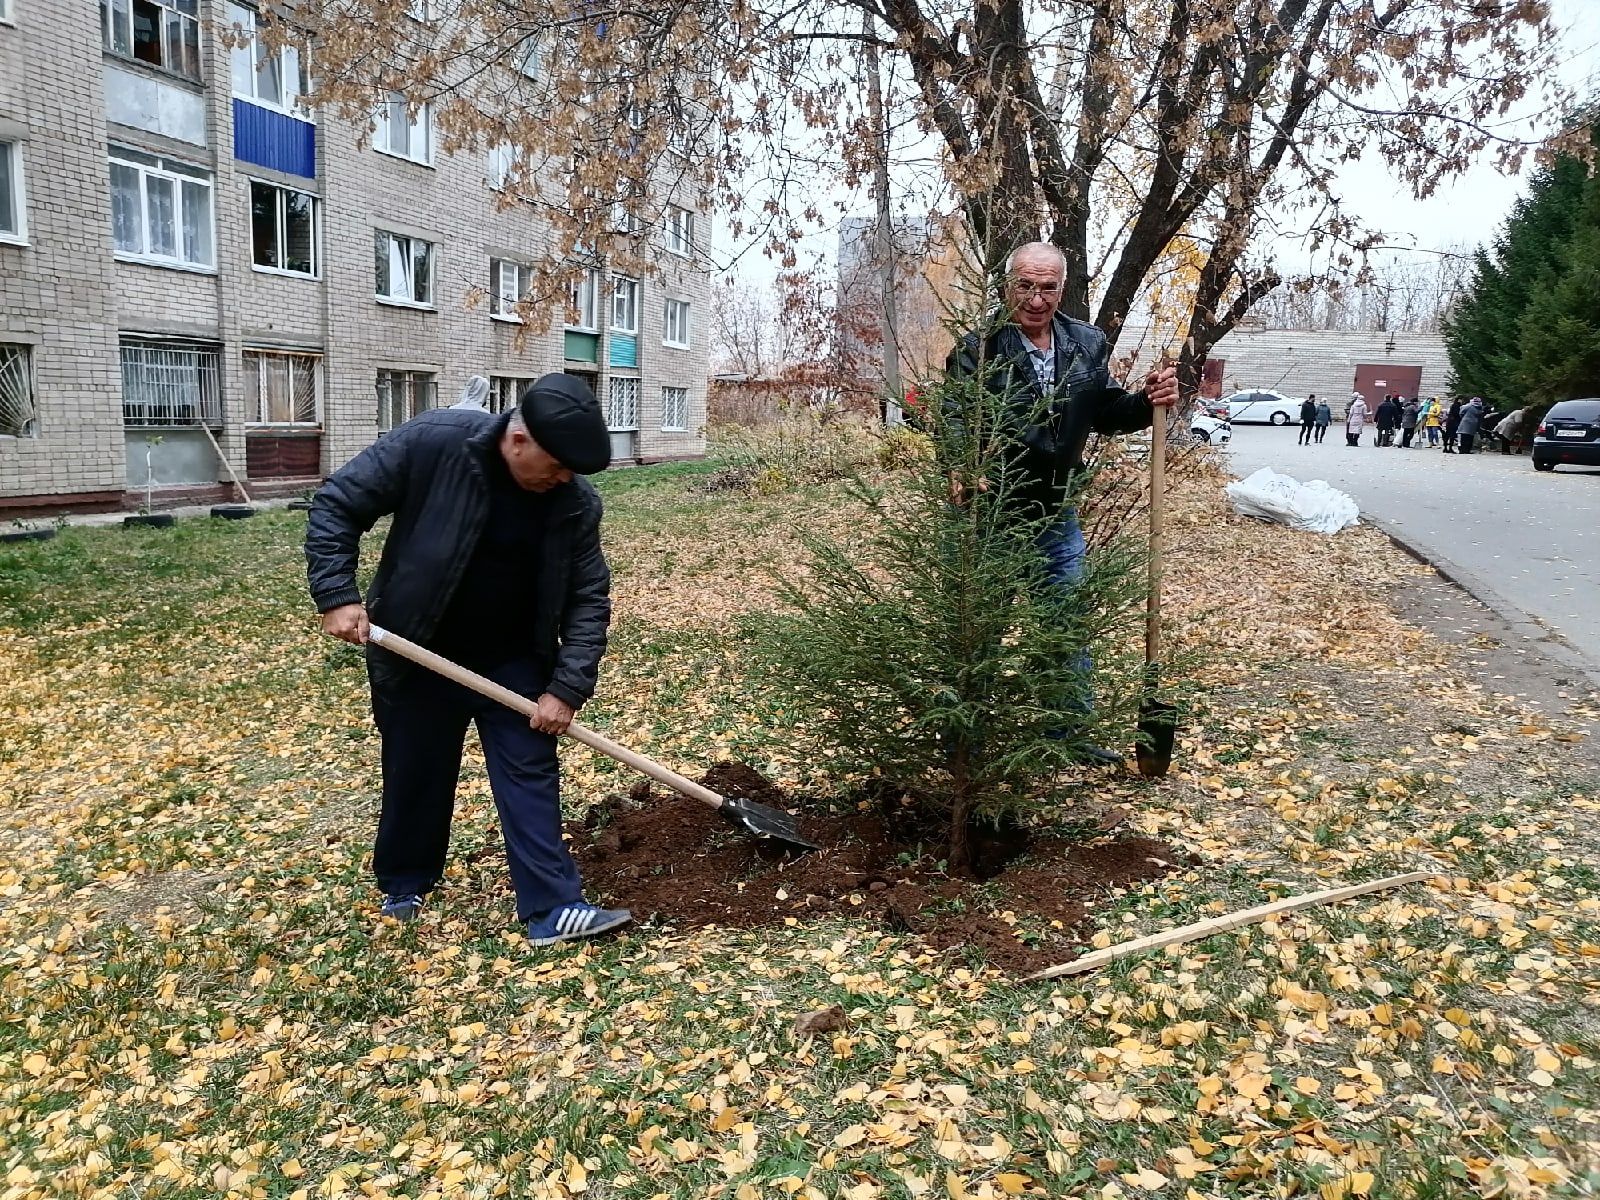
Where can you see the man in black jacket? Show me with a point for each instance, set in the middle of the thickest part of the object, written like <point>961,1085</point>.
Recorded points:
<point>1053,376</point>
<point>494,561</point>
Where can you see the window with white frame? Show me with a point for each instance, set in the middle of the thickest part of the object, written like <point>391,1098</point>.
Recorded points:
<point>505,391</point>
<point>160,210</point>
<point>19,411</point>
<point>528,57</point>
<point>582,301</point>
<point>13,197</point>
<point>420,10</point>
<point>275,78</point>
<point>680,231</point>
<point>502,161</point>
<point>675,324</point>
<point>163,33</point>
<point>403,133</point>
<point>404,394</point>
<point>622,412</point>
<point>512,282</point>
<point>5,10</point>
<point>674,409</point>
<point>282,388</point>
<point>284,229</point>
<point>404,267</point>
<point>169,383</point>
<point>625,305</point>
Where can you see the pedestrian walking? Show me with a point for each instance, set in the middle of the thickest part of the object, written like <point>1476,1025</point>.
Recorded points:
<point>1386,418</point>
<point>1431,418</point>
<point>1452,425</point>
<point>1409,415</point>
<point>494,560</point>
<point>1308,419</point>
<point>1355,419</point>
<point>1324,419</point>
<point>1471,419</point>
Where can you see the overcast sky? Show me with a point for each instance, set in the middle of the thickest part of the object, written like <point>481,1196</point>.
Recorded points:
<point>1464,214</point>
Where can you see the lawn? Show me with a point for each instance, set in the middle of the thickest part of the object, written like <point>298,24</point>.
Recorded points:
<point>198,999</point>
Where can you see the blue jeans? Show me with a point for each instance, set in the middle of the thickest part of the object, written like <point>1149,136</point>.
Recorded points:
<point>424,722</point>
<point>1066,555</point>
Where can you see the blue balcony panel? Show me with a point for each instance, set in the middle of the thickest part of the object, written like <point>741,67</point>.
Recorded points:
<point>274,139</point>
<point>624,350</point>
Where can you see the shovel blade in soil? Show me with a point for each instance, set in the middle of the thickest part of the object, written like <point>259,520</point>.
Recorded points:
<point>1158,729</point>
<point>765,822</point>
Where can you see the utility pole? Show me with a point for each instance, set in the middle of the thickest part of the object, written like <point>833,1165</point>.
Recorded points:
<point>893,413</point>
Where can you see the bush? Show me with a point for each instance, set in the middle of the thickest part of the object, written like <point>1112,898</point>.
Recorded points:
<point>798,451</point>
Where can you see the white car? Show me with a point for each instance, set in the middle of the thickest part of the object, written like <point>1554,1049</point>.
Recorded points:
<point>1206,428</point>
<point>1269,408</point>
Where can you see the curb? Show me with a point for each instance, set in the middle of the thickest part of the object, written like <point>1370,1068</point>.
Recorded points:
<point>1551,644</point>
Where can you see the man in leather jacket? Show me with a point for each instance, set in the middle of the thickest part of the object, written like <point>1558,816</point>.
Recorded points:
<point>1052,374</point>
<point>493,560</point>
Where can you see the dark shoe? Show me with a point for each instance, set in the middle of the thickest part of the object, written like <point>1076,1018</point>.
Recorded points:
<point>573,921</point>
<point>1098,756</point>
<point>402,908</point>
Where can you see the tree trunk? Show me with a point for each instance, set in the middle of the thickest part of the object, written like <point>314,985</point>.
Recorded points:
<point>961,811</point>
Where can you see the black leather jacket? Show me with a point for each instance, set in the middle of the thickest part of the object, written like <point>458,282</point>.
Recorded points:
<point>429,474</point>
<point>1049,452</point>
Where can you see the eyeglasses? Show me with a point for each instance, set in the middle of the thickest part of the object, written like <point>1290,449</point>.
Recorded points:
<point>1027,290</point>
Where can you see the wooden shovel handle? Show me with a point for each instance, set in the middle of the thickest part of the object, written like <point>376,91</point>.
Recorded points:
<point>406,648</point>
<point>1158,496</point>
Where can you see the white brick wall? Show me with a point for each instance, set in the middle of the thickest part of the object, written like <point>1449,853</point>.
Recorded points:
<point>67,292</point>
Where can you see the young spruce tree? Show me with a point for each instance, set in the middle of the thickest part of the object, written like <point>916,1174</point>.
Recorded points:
<point>933,653</point>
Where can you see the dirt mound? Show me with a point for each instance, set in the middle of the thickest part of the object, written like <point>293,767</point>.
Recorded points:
<point>670,858</point>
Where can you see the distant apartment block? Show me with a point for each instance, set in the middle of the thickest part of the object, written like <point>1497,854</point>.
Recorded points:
<point>194,264</point>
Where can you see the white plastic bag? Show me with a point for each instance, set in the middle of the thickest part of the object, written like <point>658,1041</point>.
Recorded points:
<point>1314,506</point>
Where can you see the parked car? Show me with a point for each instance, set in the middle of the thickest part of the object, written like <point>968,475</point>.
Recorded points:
<point>1267,407</point>
<point>1207,428</point>
<point>1569,433</point>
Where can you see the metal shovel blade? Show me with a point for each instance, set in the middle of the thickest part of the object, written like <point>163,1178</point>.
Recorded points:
<point>1158,728</point>
<point>764,821</point>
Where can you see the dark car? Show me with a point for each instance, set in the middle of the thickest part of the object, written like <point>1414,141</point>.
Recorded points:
<point>1569,433</point>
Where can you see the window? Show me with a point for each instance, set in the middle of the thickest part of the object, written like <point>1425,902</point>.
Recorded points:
<point>404,394</point>
<point>526,58</point>
<point>160,210</point>
<point>276,79</point>
<point>675,324</point>
<point>625,305</point>
<point>163,33</point>
<point>512,281</point>
<point>402,134</point>
<point>622,413</point>
<point>680,231</point>
<point>169,383</point>
<point>5,10</point>
<point>13,201</point>
<point>282,389</point>
<point>283,229</point>
<point>505,391</point>
<point>582,298</point>
<point>404,269</point>
<point>420,10</point>
<point>674,409</point>
<point>502,160</point>
<point>19,416</point>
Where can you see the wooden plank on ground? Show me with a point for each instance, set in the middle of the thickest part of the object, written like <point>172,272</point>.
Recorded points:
<point>1211,925</point>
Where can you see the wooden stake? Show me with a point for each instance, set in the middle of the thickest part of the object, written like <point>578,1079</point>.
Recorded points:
<point>232,474</point>
<point>1202,929</point>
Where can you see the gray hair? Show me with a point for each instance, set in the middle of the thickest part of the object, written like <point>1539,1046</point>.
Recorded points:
<point>1032,248</point>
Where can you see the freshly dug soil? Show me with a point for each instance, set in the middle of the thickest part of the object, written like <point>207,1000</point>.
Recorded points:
<point>672,859</point>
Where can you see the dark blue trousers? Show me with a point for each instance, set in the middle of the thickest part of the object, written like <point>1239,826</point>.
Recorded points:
<point>424,721</point>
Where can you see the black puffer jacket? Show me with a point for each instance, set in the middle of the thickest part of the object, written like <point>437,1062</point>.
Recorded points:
<point>429,474</point>
<point>1049,452</point>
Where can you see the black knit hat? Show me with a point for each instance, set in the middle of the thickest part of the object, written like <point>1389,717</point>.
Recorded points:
<point>564,417</point>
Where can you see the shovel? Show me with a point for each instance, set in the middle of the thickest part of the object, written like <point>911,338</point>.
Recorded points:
<point>1158,718</point>
<point>759,820</point>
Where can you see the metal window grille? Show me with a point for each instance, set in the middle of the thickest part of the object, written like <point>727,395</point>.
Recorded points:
<point>170,383</point>
<point>674,408</point>
<point>19,414</point>
<point>404,394</point>
<point>505,391</point>
<point>622,413</point>
<point>283,388</point>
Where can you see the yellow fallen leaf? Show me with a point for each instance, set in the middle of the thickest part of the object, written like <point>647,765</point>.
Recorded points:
<point>1308,1085</point>
<point>850,1135</point>
<point>1361,1183</point>
<point>1151,1181</point>
<point>1011,1183</point>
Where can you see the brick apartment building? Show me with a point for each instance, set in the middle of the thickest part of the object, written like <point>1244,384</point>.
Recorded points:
<point>187,252</point>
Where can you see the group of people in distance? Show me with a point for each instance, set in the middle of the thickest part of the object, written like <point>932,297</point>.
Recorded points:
<point>1457,426</point>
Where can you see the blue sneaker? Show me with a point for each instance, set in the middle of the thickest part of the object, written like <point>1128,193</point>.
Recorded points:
<point>403,907</point>
<point>576,920</point>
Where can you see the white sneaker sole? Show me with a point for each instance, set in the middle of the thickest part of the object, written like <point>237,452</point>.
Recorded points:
<point>616,922</point>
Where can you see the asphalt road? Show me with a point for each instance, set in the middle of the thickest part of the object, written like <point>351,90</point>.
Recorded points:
<point>1524,540</point>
